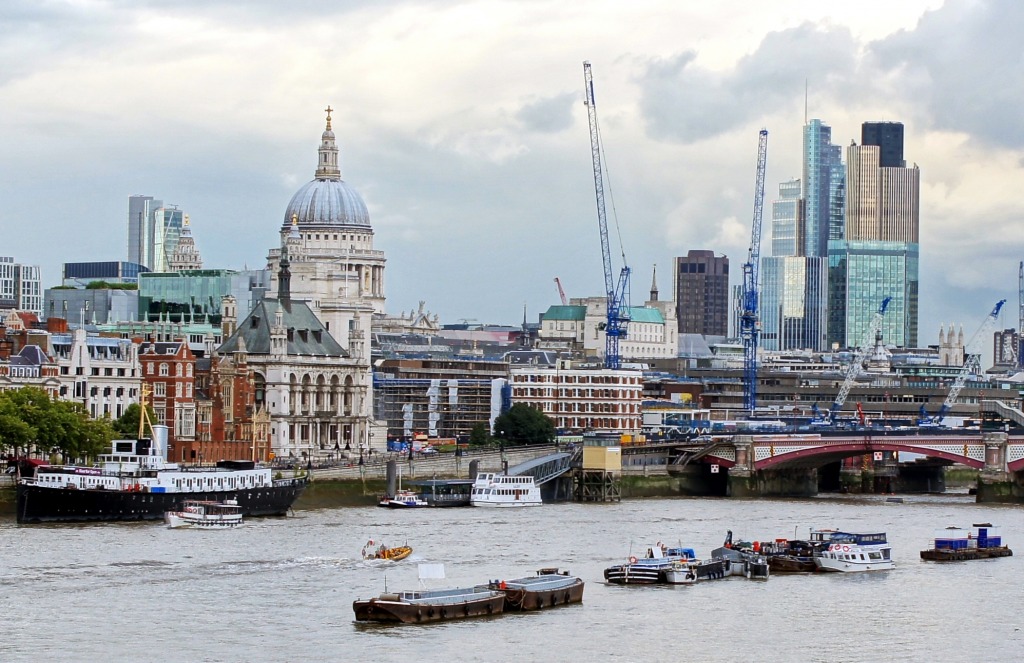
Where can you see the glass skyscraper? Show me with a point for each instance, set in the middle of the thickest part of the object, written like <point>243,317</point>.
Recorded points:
<point>879,254</point>
<point>793,302</point>
<point>862,274</point>
<point>153,232</point>
<point>822,189</point>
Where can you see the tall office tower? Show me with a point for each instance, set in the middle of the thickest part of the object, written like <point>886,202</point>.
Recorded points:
<point>794,301</point>
<point>702,293</point>
<point>888,136</point>
<point>788,220</point>
<point>153,232</point>
<point>794,287</point>
<point>141,221</point>
<point>823,185</point>
<point>879,254</point>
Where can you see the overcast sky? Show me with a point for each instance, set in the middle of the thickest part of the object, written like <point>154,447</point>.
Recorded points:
<point>462,125</point>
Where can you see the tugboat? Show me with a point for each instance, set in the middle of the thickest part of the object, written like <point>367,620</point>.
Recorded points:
<point>136,482</point>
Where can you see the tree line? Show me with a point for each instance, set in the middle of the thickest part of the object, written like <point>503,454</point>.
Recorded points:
<point>31,421</point>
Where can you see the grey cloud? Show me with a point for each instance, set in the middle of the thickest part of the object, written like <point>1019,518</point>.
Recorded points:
<point>683,102</point>
<point>549,115</point>
<point>964,63</point>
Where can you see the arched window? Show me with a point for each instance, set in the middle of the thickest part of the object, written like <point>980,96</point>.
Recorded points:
<point>165,369</point>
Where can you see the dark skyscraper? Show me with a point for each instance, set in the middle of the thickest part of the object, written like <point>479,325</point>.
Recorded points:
<point>702,293</point>
<point>888,136</point>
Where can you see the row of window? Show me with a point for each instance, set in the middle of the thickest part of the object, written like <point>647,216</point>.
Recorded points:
<point>180,370</point>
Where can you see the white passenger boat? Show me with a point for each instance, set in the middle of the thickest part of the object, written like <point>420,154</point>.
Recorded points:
<point>501,490</point>
<point>850,552</point>
<point>404,499</point>
<point>206,514</point>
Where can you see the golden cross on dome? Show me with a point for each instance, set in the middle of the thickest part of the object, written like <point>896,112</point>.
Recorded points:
<point>328,110</point>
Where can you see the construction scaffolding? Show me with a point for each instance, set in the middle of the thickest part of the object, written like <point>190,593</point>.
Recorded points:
<point>438,408</point>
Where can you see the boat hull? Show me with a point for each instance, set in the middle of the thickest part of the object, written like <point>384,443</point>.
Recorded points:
<point>791,564</point>
<point>947,555</point>
<point>36,504</point>
<point>402,612</point>
<point>528,599</point>
<point>635,574</point>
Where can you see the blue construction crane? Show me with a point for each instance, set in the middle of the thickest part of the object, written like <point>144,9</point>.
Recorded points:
<point>749,323</point>
<point>857,363</point>
<point>617,293</point>
<point>972,364</point>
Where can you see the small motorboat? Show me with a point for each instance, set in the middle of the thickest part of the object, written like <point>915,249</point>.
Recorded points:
<point>377,550</point>
<point>403,499</point>
<point>205,514</point>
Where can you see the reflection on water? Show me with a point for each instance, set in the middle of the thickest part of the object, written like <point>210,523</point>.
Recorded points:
<point>282,589</point>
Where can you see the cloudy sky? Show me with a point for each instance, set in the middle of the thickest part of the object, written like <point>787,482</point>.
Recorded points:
<point>462,126</point>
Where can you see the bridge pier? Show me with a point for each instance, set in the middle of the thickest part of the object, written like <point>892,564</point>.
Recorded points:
<point>995,482</point>
<point>744,481</point>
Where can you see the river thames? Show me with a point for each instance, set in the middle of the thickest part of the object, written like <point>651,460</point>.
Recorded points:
<point>281,589</point>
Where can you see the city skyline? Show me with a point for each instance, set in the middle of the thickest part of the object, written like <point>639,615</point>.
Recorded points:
<point>475,168</point>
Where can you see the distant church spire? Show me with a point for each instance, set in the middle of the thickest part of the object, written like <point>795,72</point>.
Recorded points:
<point>654,284</point>
<point>327,165</point>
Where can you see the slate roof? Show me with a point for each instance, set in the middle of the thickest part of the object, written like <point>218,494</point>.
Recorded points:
<point>306,334</point>
<point>30,355</point>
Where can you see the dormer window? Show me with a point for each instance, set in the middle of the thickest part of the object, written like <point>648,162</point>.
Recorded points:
<point>254,321</point>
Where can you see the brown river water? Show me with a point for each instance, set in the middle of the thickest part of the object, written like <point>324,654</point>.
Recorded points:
<point>281,589</point>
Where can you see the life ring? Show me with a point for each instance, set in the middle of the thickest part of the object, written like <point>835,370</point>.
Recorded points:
<point>632,559</point>
<point>846,548</point>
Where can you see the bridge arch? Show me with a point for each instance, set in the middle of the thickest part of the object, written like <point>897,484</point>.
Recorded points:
<point>775,456</point>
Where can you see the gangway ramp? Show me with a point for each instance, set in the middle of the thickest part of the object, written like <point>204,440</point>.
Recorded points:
<point>544,468</point>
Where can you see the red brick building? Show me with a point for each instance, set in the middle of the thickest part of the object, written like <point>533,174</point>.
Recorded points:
<point>169,369</point>
<point>230,426</point>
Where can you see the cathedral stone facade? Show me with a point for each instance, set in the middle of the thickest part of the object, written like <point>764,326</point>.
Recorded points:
<point>309,348</point>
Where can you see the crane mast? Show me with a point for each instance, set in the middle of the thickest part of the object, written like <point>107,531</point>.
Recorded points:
<point>854,369</point>
<point>972,363</point>
<point>749,321</point>
<point>561,293</point>
<point>616,293</point>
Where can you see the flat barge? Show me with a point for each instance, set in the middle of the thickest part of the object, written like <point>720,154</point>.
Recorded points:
<point>954,544</point>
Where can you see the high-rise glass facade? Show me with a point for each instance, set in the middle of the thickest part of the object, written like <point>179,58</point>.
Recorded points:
<point>862,274</point>
<point>197,294</point>
<point>787,220</point>
<point>888,136</point>
<point>153,232</point>
<point>822,188</point>
<point>793,302</point>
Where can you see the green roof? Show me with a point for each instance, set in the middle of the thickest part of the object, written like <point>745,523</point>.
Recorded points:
<point>574,313</point>
<point>644,314</point>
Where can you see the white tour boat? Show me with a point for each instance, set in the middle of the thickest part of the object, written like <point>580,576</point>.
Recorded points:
<point>849,552</point>
<point>501,490</point>
<point>206,514</point>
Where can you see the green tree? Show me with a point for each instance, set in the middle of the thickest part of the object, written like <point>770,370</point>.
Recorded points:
<point>15,433</point>
<point>480,434</point>
<point>127,426</point>
<point>524,425</point>
<point>28,416</point>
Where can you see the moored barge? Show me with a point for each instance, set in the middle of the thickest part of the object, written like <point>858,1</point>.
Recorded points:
<point>550,587</point>
<point>431,605</point>
<point>953,544</point>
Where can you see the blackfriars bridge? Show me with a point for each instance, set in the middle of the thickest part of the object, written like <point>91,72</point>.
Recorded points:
<point>787,464</point>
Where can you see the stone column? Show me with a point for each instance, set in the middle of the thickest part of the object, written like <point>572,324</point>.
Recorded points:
<point>742,477</point>
<point>995,484</point>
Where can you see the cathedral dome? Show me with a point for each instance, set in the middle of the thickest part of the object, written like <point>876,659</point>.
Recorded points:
<point>327,203</point>
<point>327,200</point>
